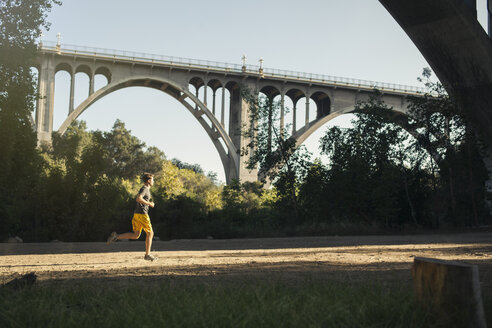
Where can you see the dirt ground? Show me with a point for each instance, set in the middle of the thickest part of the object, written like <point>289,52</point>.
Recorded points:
<point>386,258</point>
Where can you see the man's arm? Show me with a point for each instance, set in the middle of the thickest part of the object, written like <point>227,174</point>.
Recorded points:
<point>143,201</point>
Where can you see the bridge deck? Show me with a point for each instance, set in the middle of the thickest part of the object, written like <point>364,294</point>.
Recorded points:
<point>227,68</point>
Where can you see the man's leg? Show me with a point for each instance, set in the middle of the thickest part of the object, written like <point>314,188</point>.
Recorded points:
<point>148,241</point>
<point>129,235</point>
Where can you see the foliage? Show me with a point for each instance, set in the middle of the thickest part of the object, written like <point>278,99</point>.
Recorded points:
<point>183,165</point>
<point>95,175</point>
<point>389,171</point>
<point>126,153</point>
<point>395,170</point>
<point>270,146</point>
<point>274,152</point>
<point>313,194</point>
<point>368,164</point>
<point>443,129</point>
<point>20,24</point>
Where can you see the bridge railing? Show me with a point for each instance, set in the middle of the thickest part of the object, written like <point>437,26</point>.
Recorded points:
<point>206,64</point>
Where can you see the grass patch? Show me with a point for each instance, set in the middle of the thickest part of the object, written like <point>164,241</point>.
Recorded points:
<point>173,302</point>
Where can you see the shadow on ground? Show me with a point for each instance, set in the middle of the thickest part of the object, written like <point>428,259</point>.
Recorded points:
<point>243,244</point>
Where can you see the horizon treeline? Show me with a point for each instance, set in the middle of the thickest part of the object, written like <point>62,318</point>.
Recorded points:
<point>380,178</point>
<point>389,172</point>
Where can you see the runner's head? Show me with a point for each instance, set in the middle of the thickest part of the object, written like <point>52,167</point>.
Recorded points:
<point>148,178</point>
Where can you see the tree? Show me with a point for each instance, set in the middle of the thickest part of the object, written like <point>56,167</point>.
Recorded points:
<point>70,146</point>
<point>183,165</point>
<point>125,151</point>
<point>313,194</point>
<point>20,24</point>
<point>273,150</point>
<point>369,166</point>
<point>432,172</point>
<point>443,128</point>
<point>153,158</point>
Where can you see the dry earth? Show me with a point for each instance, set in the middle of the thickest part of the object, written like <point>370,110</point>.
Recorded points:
<point>368,258</point>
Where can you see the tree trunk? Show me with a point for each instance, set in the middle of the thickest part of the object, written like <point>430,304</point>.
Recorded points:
<point>294,196</point>
<point>450,170</point>
<point>470,174</point>
<point>451,194</point>
<point>451,289</point>
<point>409,200</point>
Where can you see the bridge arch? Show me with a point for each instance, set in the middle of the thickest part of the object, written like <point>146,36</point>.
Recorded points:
<point>313,97</point>
<point>104,71</point>
<point>84,69</point>
<point>214,84</point>
<point>323,104</point>
<point>295,94</point>
<point>302,134</point>
<point>221,140</point>
<point>305,132</point>
<point>270,92</point>
<point>197,82</point>
<point>64,67</point>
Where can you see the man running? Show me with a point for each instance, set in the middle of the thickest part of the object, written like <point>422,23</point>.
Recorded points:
<point>141,219</point>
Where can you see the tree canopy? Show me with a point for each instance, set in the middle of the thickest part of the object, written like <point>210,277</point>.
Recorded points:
<point>386,172</point>
<point>20,25</point>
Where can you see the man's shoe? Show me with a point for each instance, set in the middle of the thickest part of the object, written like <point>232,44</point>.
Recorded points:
<point>149,257</point>
<point>112,237</point>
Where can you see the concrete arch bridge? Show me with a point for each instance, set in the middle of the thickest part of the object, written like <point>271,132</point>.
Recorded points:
<point>210,91</point>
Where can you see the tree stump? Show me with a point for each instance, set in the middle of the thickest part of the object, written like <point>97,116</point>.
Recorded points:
<point>451,289</point>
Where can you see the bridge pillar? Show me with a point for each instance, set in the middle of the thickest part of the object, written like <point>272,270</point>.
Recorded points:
<point>72,92</point>
<point>45,104</point>
<point>222,107</point>
<point>489,18</point>
<point>213,102</point>
<point>282,110</point>
<point>91,83</point>
<point>307,110</point>
<point>238,120</point>
<point>205,87</point>
<point>294,117</point>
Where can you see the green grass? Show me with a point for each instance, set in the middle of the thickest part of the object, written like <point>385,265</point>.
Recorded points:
<point>173,302</point>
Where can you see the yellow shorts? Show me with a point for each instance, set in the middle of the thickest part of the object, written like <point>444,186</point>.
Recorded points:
<point>141,221</point>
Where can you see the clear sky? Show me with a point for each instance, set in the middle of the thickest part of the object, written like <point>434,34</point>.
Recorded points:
<point>350,38</point>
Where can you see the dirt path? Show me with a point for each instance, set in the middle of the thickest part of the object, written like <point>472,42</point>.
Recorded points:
<point>384,258</point>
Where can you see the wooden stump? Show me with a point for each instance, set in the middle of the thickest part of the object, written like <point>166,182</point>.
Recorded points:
<point>450,288</point>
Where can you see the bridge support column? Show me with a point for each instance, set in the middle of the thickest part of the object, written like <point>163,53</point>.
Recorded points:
<point>205,93</point>
<point>45,104</point>
<point>307,109</point>
<point>294,118</point>
<point>91,84</point>
<point>196,94</point>
<point>238,120</point>
<point>222,107</point>
<point>489,18</point>
<point>72,92</point>
<point>282,103</point>
<point>213,102</point>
